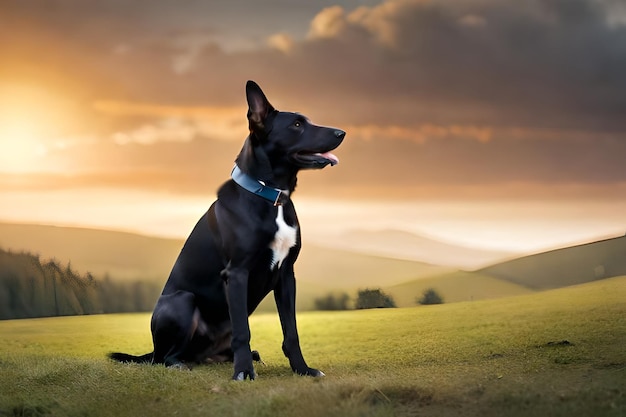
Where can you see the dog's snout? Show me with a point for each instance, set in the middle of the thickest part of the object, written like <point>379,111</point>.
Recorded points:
<point>340,133</point>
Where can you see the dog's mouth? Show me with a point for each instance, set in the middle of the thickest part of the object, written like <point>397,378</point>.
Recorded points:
<point>316,159</point>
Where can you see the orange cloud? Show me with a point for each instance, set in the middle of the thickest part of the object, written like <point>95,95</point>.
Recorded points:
<point>421,133</point>
<point>166,130</point>
<point>429,131</point>
<point>328,23</point>
<point>177,123</point>
<point>281,41</point>
<point>124,108</point>
<point>379,20</point>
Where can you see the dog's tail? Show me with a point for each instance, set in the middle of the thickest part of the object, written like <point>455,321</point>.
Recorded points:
<point>125,357</point>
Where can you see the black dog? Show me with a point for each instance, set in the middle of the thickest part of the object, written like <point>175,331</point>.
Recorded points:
<point>244,247</point>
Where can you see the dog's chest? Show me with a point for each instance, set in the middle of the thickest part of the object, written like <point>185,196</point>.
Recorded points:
<point>284,239</point>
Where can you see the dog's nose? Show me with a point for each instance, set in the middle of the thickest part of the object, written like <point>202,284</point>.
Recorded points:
<point>340,133</point>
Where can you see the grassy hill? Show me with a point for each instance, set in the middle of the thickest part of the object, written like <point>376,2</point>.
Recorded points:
<point>548,270</point>
<point>554,353</point>
<point>128,257</point>
<point>121,255</point>
<point>563,267</point>
<point>454,287</point>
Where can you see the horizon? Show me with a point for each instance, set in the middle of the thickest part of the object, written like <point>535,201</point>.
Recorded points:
<point>326,223</point>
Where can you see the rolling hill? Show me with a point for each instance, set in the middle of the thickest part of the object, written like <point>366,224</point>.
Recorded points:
<point>127,256</point>
<point>122,256</point>
<point>401,244</point>
<point>131,257</point>
<point>564,267</point>
<point>454,287</point>
<point>547,270</point>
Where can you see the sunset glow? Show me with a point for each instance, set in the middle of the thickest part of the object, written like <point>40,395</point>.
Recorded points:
<point>32,120</point>
<point>22,125</point>
<point>506,225</point>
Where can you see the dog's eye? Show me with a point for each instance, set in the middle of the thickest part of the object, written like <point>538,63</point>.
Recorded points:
<point>297,123</point>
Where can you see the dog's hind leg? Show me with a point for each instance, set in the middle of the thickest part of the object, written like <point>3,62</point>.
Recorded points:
<point>173,327</point>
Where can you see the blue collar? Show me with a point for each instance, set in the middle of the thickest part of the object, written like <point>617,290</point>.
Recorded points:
<point>245,181</point>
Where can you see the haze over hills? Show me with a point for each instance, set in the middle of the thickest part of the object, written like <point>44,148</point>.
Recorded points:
<point>547,270</point>
<point>563,267</point>
<point>130,256</point>
<point>120,255</point>
<point>406,245</point>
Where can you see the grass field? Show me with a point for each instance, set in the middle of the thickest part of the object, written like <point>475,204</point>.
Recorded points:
<point>555,353</point>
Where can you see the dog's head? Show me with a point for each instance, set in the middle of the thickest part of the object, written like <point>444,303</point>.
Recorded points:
<point>281,143</point>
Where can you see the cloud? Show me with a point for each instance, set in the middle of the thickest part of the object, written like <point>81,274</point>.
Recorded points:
<point>472,20</point>
<point>191,47</point>
<point>420,134</point>
<point>428,161</point>
<point>158,123</point>
<point>167,130</point>
<point>615,12</point>
<point>281,41</point>
<point>557,63</point>
<point>466,92</point>
<point>328,23</point>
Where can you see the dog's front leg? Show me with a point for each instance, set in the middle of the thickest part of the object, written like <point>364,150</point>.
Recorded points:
<point>237,290</point>
<point>285,296</point>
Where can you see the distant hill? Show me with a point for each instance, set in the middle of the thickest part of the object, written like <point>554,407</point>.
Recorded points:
<point>127,256</point>
<point>121,255</point>
<point>548,270</point>
<point>406,245</point>
<point>564,267</point>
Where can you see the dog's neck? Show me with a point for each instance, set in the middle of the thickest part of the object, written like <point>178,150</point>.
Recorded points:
<point>254,161</point>
<point>274,195</point>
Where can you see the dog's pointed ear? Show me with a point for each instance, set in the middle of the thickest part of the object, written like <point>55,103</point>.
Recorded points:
<point>258,107</point>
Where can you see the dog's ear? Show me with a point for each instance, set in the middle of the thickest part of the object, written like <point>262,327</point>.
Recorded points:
<point>258,107</point>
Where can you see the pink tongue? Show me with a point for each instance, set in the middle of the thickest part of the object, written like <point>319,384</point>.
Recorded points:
<point>331,157</point>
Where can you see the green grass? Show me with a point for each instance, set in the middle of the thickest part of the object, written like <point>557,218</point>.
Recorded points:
<point>483,358</point>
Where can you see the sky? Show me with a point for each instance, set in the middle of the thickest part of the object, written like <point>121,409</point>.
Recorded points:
<point>493,123</point>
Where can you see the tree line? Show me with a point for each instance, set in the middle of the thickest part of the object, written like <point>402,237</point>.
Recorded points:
<point>370,298</point>
<point>31,287</point>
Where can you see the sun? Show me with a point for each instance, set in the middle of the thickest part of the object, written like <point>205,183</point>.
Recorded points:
<point>29,118</point>
<point>21,146</point>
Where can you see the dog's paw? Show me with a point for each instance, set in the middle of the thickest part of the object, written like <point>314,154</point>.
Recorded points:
<point>181,366</point>
<point>243,366</point>
<point>243,375</point>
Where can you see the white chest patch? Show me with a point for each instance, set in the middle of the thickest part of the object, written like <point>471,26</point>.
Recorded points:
<point>284,239</point>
